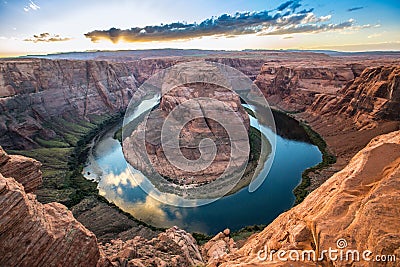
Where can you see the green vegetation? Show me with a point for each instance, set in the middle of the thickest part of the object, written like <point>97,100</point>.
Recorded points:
<point>241,234</point>
<point>63,158</point>
<point>201,239</point>
<point>55,143</point>
<point>328,159</point>
<point>118,135</point>
<point>250,112</point>
<point>247,231</point>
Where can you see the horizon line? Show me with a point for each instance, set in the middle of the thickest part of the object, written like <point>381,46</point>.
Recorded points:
<point>316,50</point>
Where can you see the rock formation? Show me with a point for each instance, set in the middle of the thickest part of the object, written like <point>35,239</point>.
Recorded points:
<point>218,247</point>
<point>249,66</point>
<point>33,91</point>
<point>108,223</point>
<point>373,96</point>
<point>38,90</point>
<point>192,133</point>
<point>174,248</point>
<point>346,104</point>
<point>293,87</point>
<point>33,234</point>
<point>24,170</point>
<point>359,204</point>
<point>350,205</point>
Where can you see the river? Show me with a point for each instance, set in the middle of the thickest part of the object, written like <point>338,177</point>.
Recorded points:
<point>293,154</point>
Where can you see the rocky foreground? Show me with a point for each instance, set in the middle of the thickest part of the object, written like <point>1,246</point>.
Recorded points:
<point>33,234</point>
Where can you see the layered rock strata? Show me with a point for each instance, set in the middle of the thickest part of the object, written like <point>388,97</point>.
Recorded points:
<point>33,234</point>
<point>347,105</point>
<point>372,97</point>
<point>24,170</point>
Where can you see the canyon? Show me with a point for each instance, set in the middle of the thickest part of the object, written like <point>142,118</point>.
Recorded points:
<point>47,105</point>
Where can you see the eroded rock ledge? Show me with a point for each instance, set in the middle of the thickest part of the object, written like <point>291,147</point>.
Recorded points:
<point>360,204</point>
<point>33,234</point>
<point>25,170</point>
<point>347,105</point>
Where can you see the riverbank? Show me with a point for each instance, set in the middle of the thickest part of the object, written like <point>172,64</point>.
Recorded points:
<point>328,159</point>
<point>64,156</point>
<point>303,189</point>
<point>62,161</point>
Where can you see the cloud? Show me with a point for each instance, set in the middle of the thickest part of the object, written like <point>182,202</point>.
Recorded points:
<point>374,35</point>
<point>123,179</point>
<point>282,20</point>
<point>355,8</point>
<point>31,6</point>
<point>293,5</point>
<point>47,37</point>
<point>315,28</point>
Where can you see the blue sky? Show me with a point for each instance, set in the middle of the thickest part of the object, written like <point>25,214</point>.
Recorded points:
<point>45,26</point>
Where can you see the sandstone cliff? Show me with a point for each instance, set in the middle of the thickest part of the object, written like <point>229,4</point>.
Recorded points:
<point>359,204</point>
<point>292,87</point>
<point>249,66</point>
<point>218,247</point>
<point>35,91</point>
<point>371,97</point>
<point>32,92</point>
<point>351,205</point>
<point>344,102</point>
<point>33,234</point>
<point>24,170</point>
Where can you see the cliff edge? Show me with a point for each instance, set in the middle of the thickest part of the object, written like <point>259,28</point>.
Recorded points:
<point>33,234</point>
<point>359,206</point>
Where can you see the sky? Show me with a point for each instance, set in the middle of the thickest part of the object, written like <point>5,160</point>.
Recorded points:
<point>50,26</point>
